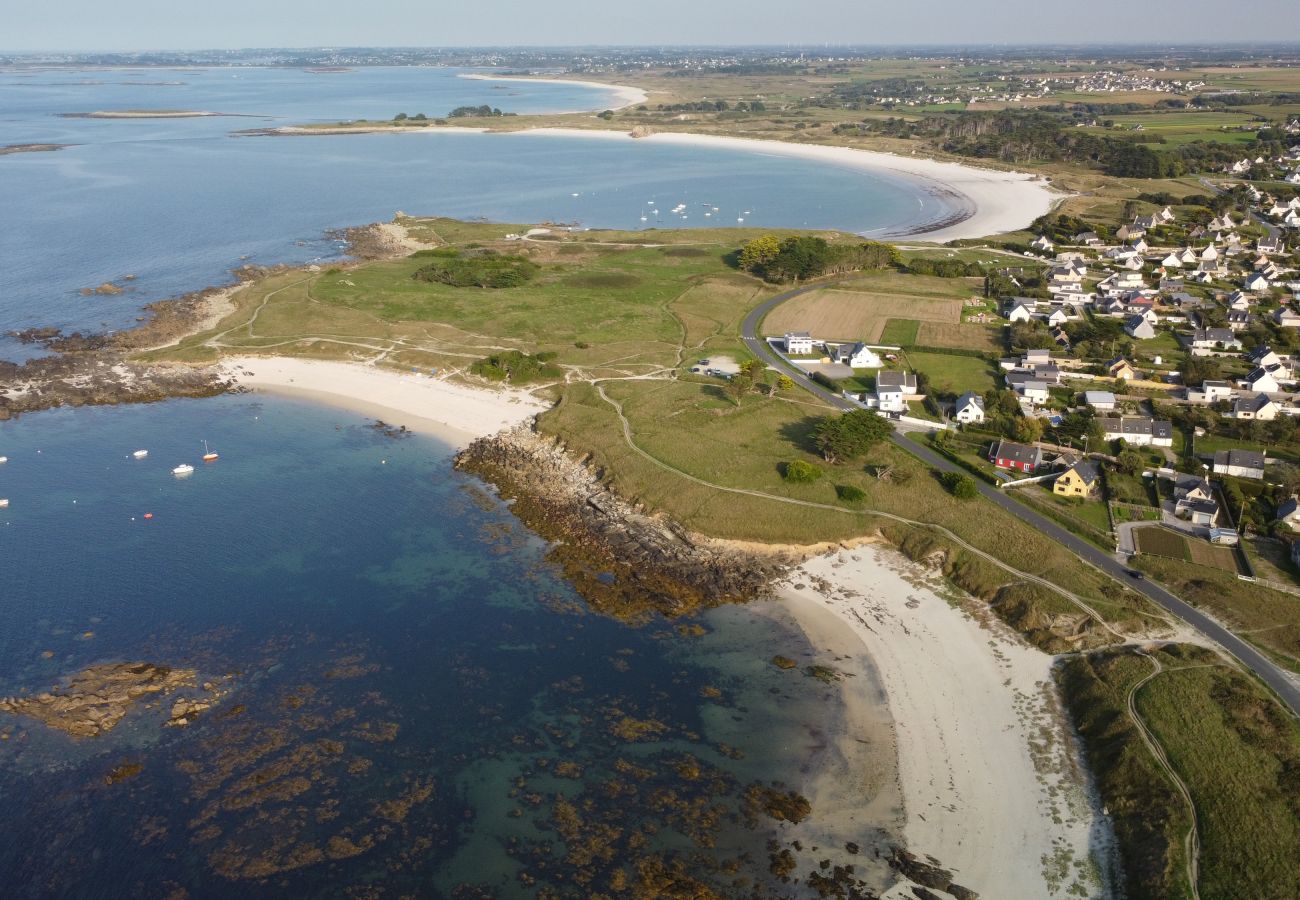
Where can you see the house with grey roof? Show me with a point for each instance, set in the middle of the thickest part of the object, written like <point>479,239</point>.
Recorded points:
<point>1140,431</point>
<point>969,408</point>
<point>1239,463</point>
<point>1021,457</point>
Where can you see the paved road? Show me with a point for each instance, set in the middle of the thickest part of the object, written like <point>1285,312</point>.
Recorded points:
<point>1286,685</point>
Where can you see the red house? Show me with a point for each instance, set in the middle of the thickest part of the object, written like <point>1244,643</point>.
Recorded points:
<point>1007,455</point>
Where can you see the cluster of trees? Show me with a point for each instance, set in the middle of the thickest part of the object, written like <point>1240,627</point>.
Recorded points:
<point>803,257</point>
<point>517,367</point>
<point>484,269</point>
<point>403,117</point>
<point>484,111</point>
<point>850,435</point>
<point>752,377</point>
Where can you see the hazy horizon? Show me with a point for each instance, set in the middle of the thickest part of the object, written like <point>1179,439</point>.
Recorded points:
<point>83,26</point>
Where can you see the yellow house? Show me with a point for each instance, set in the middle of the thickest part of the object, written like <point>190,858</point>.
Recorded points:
<point>1080,480</point>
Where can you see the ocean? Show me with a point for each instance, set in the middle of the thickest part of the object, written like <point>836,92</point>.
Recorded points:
<point>160,207</point>
<point>412,697</point>
<point>408,698</point>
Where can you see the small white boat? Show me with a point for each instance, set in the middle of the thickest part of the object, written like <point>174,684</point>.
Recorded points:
<point>4,459</point>
<point>183,469</point>
<point>140,454</point>
<point>643,218</point>
<point>4,503</point>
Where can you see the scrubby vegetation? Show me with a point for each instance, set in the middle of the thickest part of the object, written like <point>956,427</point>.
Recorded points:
<point>516,367</point>
<point>482,268</point>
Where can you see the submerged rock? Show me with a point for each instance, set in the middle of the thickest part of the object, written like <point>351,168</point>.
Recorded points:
<point>96,699</point>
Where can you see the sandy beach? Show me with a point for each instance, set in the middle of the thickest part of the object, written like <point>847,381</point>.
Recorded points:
<point>990,781</point>
<point>627,95</point>
<point>453,413</point>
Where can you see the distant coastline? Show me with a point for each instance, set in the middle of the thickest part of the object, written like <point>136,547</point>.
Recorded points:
<point>153,114</point>
<point>32,148</point>
<point>627,94</point>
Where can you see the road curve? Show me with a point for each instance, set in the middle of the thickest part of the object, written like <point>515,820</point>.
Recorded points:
<point>1286,686</point>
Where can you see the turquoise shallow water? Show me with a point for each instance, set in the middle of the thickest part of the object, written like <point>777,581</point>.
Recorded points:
<point>416,700</point>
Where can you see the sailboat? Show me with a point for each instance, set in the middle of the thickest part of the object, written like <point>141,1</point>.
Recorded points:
<point>208,455</point>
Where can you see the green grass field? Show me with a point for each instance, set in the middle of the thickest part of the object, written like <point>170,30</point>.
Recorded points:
<point>899,332</point>
<point>954,374</point>
<point>1162,542</point>
<point>1229,742</point>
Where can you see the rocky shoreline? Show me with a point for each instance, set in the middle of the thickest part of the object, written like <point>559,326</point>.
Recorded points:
<point>97,369</point>
<point>624,563</point>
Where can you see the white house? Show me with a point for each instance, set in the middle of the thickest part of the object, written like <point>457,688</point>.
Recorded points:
<point>1140,431</point>
<point>1042,243</point>
<point>1021,311</point>
<point>1287,317</point>
<point>1215,339</point>
<point>1260,380</point>
<point>1210,392</point>
<point>1256,282</point>
<point>857,356</point>
<point>798,343</point>
<point>1058,317</point>
<point>969,409</point>
<point>1036,392</point>
<point>892,379</point>
<point>1194,500</point>
<point>1210,253</point>
<point>1139,328</point>
<point>1257,407</point>
<point>1240,463</point>
<point>1288,513</point>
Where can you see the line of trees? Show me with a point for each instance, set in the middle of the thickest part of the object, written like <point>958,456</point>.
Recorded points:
<point>484,111</point>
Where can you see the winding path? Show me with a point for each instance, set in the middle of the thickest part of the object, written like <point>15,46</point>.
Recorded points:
<point>1282,683</point>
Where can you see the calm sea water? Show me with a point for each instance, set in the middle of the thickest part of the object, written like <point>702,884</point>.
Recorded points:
<point>179,203</point>
<point>418,703</point>
<point>416,698</point>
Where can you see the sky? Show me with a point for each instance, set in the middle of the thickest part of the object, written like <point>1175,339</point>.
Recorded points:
<point>88,25</point>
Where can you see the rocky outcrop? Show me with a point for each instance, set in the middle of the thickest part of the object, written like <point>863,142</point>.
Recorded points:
<point>928,875</point>
<point>625,563</point>
<point>96,379</point>
<point>96,699</point>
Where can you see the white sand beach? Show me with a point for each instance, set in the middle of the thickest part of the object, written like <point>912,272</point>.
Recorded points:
<point>454,413</point>
<point>627,95</point>
<point>990,780</point>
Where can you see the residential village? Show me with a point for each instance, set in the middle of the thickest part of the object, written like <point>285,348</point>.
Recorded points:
<point>1148,393</point>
